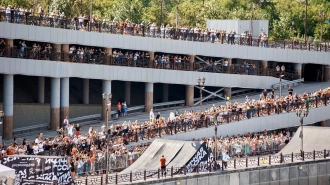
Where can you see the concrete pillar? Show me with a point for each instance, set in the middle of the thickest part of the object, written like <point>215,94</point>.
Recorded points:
<point>152,57</point>
<point>65,89</point>
<point>297,70</point>
<point>190,95</point>
<point>263,64</point>
<point>323,123</point>
<point>148,96</point>
<point>165,92</point>
<point>41,89</point>
<point>106,88</point>
<point>326,73</point>
<point>128,93</point>
<point>10,42</point>
<point>228,92</point>
<point>8,105</point>
<point>109,54</point>
<point>192,61</point>
<point>230,62</point>
<point>58,47</point>
<point>86,91</point>
<point>65,50</point>
<point>55,103</point>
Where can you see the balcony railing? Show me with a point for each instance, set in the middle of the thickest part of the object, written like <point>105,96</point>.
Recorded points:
<point>184,65</point>
<point>144,31</point>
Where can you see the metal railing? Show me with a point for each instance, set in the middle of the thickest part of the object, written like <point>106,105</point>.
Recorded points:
<point>288,83</point>
<point>185,65</point>
<point>145,31</point>
<point>206,167</point>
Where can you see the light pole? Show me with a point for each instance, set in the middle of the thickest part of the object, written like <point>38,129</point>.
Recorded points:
<point>200,83</point>
<point>161,12</point>
<point>292,32</point>
<point>107,99</point>
<point>322,14</point>
<point>281,71</point>
<point>305,24</point>
<point>253,8</point>
<point>2,114</point>
<point>301,113</point>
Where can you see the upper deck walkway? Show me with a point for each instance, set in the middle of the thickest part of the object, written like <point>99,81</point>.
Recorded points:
<point>283,51</point>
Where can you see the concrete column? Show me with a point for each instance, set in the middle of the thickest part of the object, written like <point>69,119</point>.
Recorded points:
<point>58,47</point>
<point>263,64</point>
<point>8,105</point>
<point>65,50</point>
<point>10,42</point>
<point>148,96</point>
<point>323,123</point>
<point>109,54</point>
<point>189,95</point>
<point>86,91</point>
<point>326,73</point>
<point>106,88</point>
<point>152,57</point>
<point>41,89</point>
<point>165,92</point>
<point>192,61</point>
<point>65,89</point>
<point>55,103</point>
<point>297,70</point>
<point>230,62</point>
<point>128,93</point>
<point>228,92</point>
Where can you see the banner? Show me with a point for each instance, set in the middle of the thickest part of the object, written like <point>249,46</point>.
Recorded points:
<point>39,170</point>
<point>200,158</point>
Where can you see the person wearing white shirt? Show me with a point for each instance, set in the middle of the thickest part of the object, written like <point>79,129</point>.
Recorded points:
<point>35,149</point>
<point>225,158</point>
<point>8,13</point>
<point>151,115</point>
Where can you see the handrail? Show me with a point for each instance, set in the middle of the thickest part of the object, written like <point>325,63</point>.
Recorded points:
<point>185,171</point>
<point>244,40</point>
<point>288,83</point>
<point>185,65</point>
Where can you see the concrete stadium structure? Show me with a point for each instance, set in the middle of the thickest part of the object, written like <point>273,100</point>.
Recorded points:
<point>61,72</point>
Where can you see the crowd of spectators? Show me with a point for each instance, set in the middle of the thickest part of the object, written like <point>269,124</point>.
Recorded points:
<point>87,151</point>
<point>19,15</point>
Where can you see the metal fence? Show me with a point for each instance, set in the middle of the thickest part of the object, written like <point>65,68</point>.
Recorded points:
<point>172,33</point>
<point>207,167</point>
<point>184,65</point>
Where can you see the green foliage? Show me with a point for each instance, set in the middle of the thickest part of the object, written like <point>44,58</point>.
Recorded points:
<point>191,13</point>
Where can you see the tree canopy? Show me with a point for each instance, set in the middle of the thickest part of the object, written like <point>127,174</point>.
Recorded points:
<point>191,13</point>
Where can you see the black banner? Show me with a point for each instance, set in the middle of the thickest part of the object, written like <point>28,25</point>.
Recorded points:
<point>200,158</point>
<point>39,170</point>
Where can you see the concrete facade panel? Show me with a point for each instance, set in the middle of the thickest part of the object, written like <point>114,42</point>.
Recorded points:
<point>284,173</point>
<point>234,179</point>
<point>244,178</point>
<point>254,177</point>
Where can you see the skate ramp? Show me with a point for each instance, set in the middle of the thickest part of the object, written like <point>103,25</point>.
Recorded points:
<point>315,138</point>
<point>177,153</point>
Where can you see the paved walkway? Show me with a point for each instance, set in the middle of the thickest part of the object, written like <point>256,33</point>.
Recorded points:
<point>143,116</point>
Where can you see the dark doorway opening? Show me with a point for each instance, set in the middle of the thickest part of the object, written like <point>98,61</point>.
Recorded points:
<point>313,72</point>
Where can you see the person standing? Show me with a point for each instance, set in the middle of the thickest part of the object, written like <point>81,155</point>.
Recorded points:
<point>290,90</point>
<point>118,109</point>
<point>77,130</point>
<point>225,158</point>
<point>65,124</point>
<point>124,109</point>
<point>163,165</point>
<point>151,115</point>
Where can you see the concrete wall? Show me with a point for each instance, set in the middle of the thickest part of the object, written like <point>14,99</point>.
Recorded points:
<point>259,26</point>
<point>311,173</point>
<point>31,114</point>
<point>93,71</point>
<point>61,36</point>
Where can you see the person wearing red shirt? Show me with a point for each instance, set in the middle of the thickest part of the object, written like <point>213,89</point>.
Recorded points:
<point>163,165</point>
